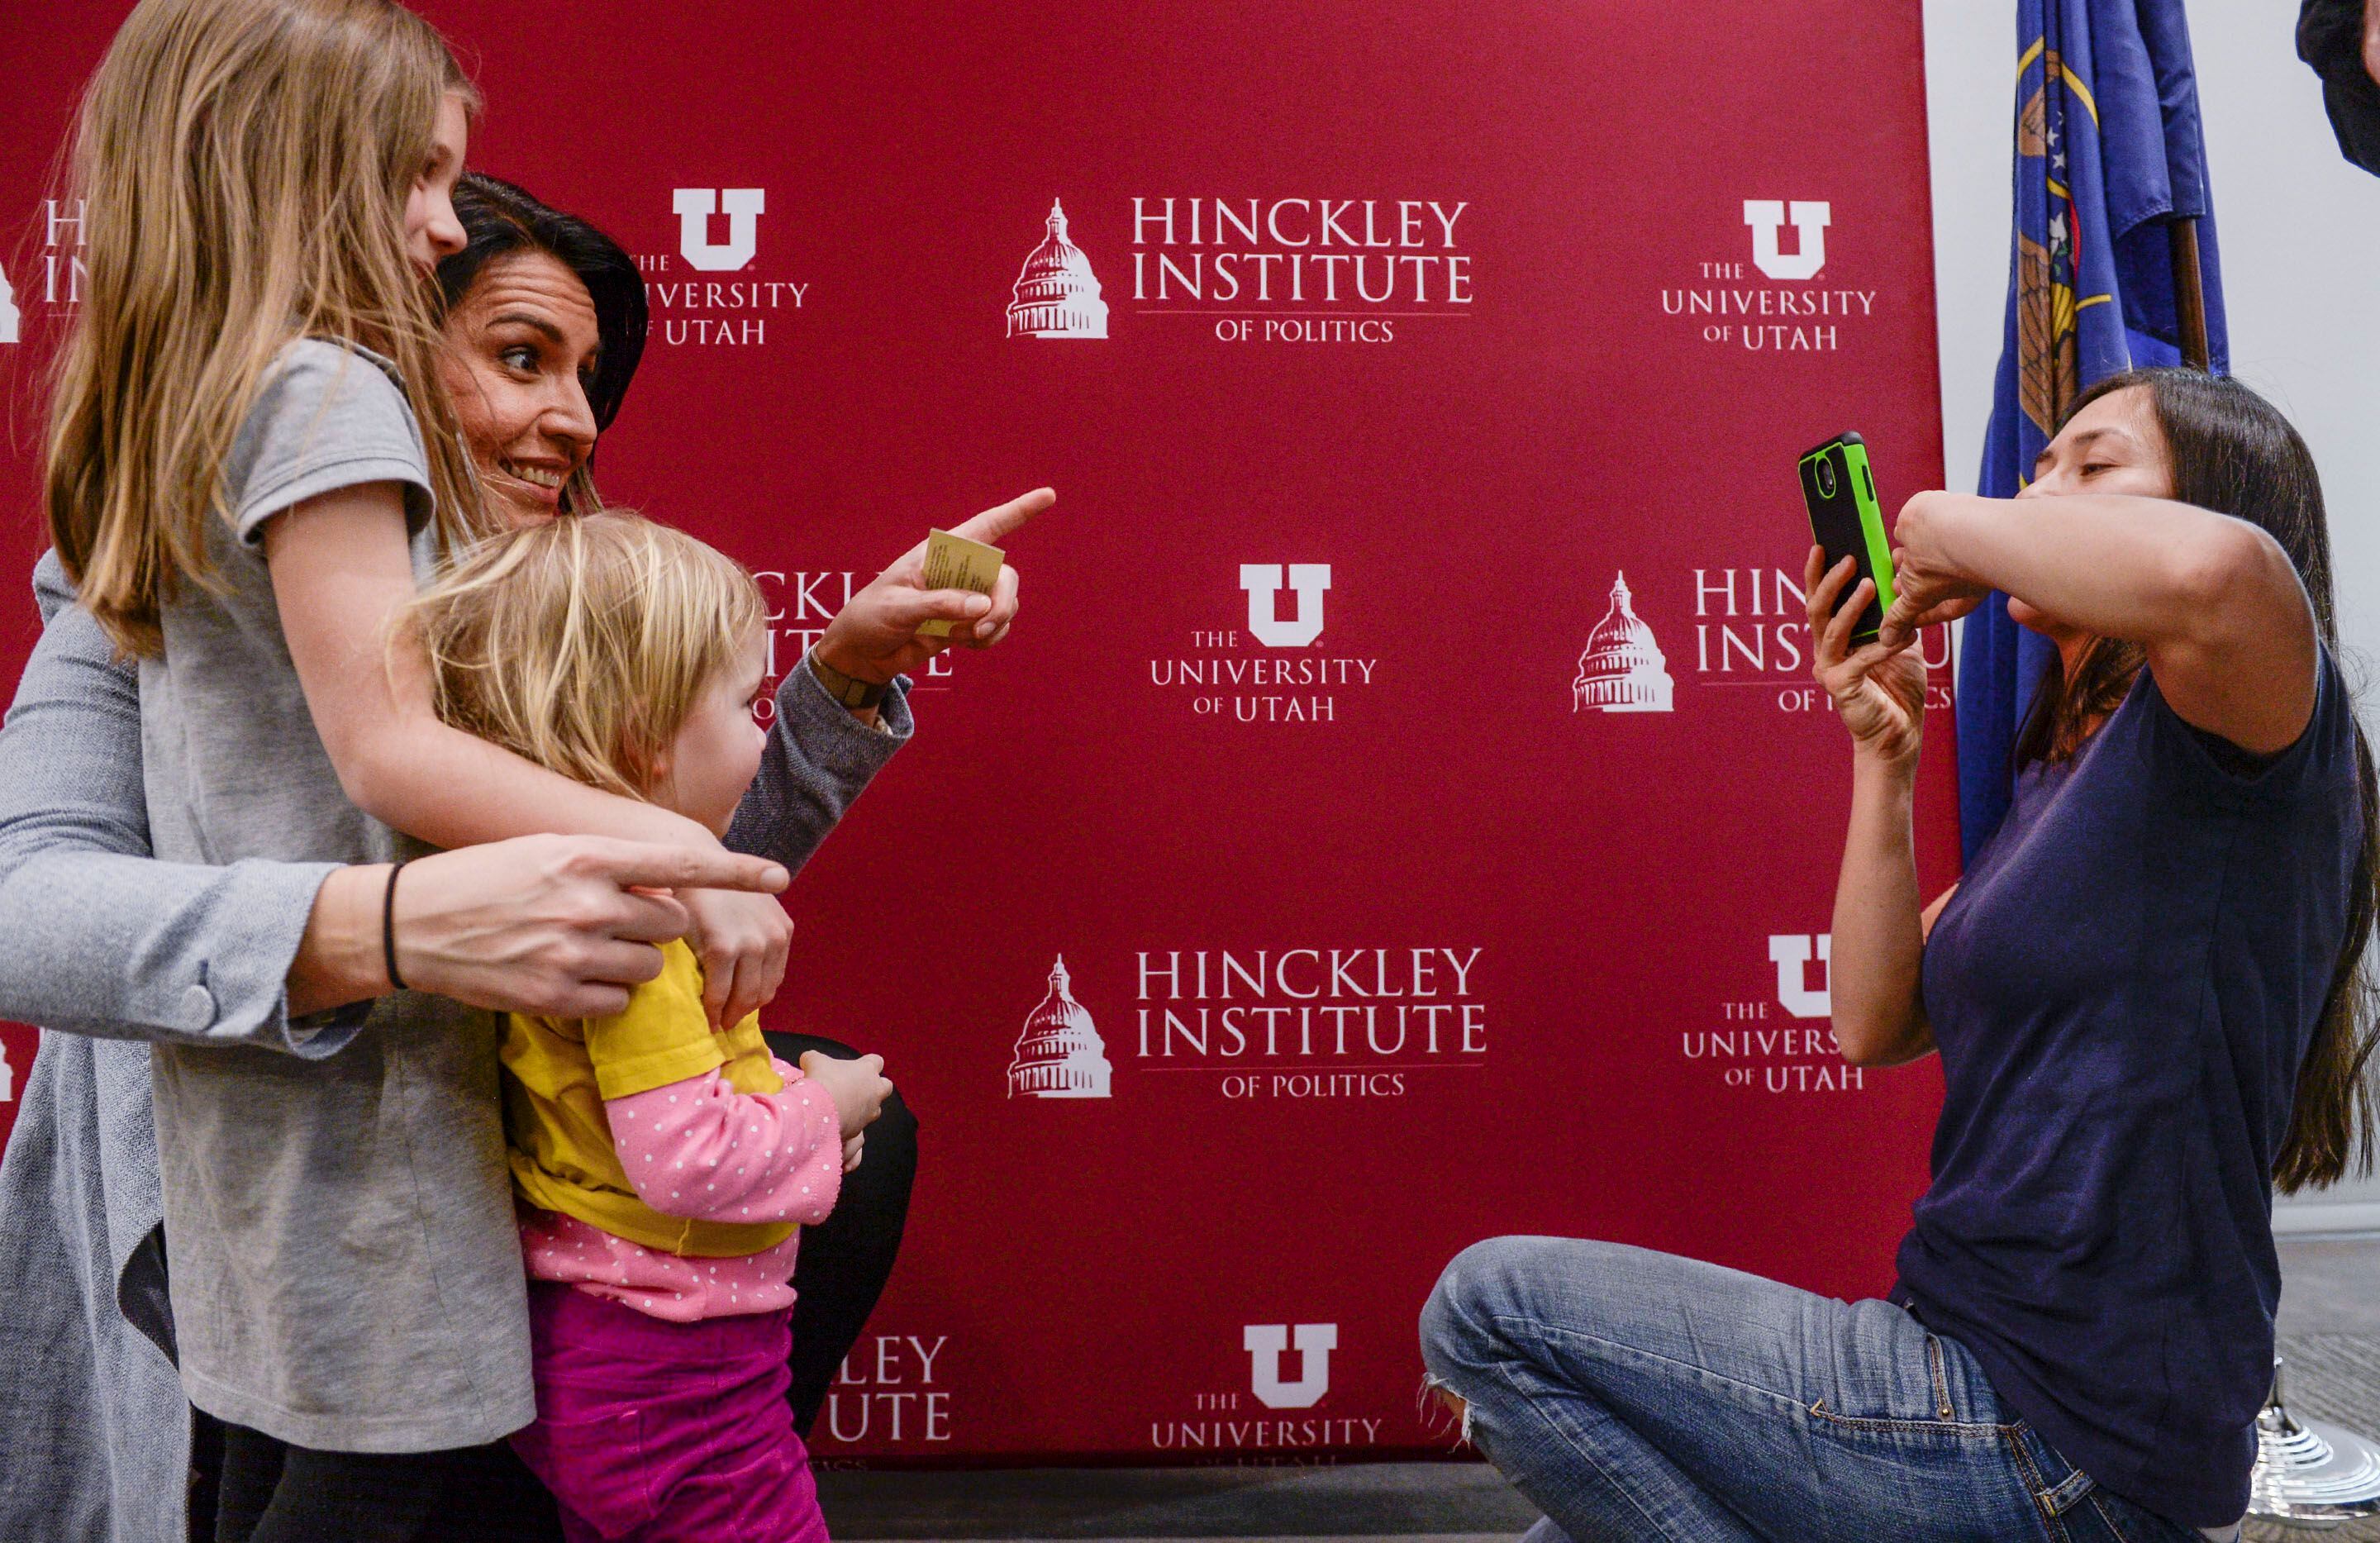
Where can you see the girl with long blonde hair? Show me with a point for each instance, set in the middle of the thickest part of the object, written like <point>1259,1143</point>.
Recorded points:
<point>249,468</point>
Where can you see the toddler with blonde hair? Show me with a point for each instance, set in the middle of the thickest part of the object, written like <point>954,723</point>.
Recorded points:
<point>662,1167</point>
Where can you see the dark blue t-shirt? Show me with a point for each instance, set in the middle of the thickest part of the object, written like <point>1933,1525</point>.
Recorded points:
<point>2122,990</point>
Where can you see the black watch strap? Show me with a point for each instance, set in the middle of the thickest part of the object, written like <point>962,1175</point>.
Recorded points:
<point>850,690</point>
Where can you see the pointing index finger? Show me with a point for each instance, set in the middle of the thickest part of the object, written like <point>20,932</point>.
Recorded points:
<point>643,865</point>
<point>994,524</point>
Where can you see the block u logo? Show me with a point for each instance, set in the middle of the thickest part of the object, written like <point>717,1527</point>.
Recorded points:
<point>1265,1342</point>
<point>1765,216</point>
<point>1262,581</point>
<point>1791,953</point>
<point>696,205</point>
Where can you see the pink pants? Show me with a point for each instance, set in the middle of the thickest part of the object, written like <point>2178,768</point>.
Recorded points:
<point>652,1432</point>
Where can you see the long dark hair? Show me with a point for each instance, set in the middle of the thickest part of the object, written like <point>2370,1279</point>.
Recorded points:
<point>500,219</point>
<point>2232,451</point>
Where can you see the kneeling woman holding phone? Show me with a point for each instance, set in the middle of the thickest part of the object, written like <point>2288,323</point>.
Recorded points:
<point>2148,996</point>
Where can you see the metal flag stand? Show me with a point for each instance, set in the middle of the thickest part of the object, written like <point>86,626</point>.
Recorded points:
<point>2309,1474</point>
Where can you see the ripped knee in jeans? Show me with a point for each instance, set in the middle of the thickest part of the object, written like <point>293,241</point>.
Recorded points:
<point>1438,1397</point>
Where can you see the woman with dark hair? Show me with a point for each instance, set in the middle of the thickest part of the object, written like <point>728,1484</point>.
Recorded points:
<point>502,221</point>
<point>2151,1003</point>
<point>545,325</point>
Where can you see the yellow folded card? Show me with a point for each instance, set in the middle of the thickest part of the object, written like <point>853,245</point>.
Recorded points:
<point>955,563</point>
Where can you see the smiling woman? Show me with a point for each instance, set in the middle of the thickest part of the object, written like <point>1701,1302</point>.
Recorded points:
<point>545,924</point>
<point>546,321</point>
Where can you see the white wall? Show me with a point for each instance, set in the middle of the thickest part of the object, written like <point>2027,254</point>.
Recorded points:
<point>2301,237</point>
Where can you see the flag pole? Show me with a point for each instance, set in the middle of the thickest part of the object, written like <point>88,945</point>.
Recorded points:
<point>2189,292</point>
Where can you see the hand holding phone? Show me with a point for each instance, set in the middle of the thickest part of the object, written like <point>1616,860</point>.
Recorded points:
<point>1878,693</point>
<point>1839,491</point>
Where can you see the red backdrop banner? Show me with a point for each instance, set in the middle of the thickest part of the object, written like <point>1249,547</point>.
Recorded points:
<point>1408,744</point>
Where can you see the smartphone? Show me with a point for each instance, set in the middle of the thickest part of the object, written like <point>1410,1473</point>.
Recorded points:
<point>1840,492</point>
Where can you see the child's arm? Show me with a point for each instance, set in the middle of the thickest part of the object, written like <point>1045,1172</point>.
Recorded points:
<point>698,1148</point>
<point>342,572</point>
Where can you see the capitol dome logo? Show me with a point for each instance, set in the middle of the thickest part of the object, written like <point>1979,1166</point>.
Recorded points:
<point>1057,295</point>
<point>1623,669</point>
<point>1059,1055</point>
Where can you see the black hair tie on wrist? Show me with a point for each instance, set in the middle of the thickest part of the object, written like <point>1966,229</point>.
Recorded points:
<point>388,928</point>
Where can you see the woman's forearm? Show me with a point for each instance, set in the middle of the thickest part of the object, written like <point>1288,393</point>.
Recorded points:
<point>340,959</point>
<point>2144,570</point>
<point>2215,601</point>
<point>1878,943</point>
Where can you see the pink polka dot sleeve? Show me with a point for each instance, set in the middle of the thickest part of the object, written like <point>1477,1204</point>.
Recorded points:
<point>700,1148</point>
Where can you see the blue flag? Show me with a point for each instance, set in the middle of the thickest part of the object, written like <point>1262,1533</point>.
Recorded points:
<point>2108,152</point>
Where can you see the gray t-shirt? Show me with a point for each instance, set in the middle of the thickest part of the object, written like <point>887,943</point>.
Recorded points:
<point>345,1269</point>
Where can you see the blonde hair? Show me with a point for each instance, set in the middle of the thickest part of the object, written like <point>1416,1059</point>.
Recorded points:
<point>583,643</point>
<point>244,166</point>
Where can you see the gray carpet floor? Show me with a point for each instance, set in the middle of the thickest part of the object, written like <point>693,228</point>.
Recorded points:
<point>2330,1340</point>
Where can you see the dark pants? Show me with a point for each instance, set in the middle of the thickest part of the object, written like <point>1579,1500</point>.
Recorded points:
<point>483,1494</point>
<point>845,1259</point>
<point>273,1492</point>
<point>257,1489</point>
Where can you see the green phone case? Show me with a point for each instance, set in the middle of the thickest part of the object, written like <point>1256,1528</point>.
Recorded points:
<point>1839,491</point>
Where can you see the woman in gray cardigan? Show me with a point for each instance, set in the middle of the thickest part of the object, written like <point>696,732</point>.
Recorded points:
<point>103,941</point>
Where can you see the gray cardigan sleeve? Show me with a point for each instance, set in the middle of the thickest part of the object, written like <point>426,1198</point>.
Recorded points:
<point>819,759</point>
<point>96,936</point>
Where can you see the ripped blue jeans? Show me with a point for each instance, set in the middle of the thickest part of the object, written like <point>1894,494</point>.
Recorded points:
<point>1641,1396</point>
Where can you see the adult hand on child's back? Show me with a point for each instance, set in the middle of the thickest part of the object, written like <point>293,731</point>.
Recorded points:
<point>741,940</point>
<point>559,926</point>
<point>875,635</point>
<point>859,1087</point>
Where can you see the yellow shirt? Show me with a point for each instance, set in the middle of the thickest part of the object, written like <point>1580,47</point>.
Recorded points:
<point>559,1071</point>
